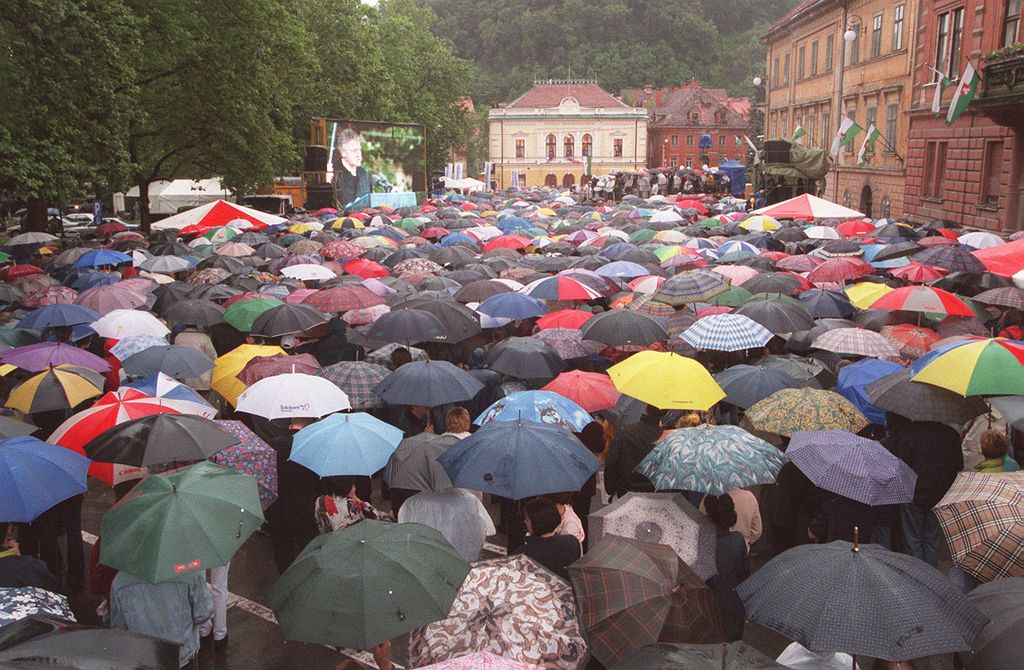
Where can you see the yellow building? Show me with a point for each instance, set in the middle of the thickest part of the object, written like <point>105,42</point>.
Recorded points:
<point>550,134</point>
<point>829,59</point>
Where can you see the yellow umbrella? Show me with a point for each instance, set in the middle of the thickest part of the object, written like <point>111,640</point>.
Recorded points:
<point>302,228</point>
<point>224,381</point>
<point>546,211</point>
<point>62,387</point>
<point>666,380</point>
<point>865,293</point>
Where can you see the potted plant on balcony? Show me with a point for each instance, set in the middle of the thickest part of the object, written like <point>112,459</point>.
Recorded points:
<point>1009,52</point>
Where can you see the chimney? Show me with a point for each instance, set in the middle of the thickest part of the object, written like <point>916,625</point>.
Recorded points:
<point>658,97</point>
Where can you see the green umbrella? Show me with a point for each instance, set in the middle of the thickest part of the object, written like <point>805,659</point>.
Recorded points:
<point>241,314</point>
<point>193,519</point>
<point>368,583</point>
<point>734,296</point>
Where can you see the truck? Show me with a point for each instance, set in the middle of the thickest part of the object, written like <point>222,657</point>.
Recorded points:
<point>785,169</point>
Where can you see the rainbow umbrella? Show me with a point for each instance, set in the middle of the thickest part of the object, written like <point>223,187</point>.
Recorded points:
<point>986,366</point>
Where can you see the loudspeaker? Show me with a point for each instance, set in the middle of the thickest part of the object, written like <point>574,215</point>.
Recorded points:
<point>776,151</point>
<point>314,159</point>
<point>319,196</point>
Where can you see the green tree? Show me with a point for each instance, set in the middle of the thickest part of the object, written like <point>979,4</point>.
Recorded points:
<point>66,69</point>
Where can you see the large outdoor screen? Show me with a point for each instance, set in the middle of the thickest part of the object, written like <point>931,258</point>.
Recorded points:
<point>377,157</point>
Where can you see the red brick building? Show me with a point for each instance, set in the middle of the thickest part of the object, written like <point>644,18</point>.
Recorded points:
<point>970,172</point>
<point>682,115</point>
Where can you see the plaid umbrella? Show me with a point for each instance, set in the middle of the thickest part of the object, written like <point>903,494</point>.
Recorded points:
<point>831,596</point>
<point>358,379</point>
<point>262,367</point>
<point>839,270</point>
<point>511,607</point>
<point>726,332</point>
<point>952,258</point>
<point>660,518</point>
<point>635,593</point>
<point>251,456</point>
<point>710,459</point>
<point>1004,296</point>
<point>691,286</point>
<point>982,517</point>
<point>789,410</point>
<point>856,341</point>
<point>19,603</point>
<point>737,656</point>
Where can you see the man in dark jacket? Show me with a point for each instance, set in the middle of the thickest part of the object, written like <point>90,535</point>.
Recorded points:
<point>932,450</point>
<point>631,444</point>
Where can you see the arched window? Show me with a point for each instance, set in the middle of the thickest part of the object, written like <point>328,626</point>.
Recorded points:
<point>550,145</point>
<point>569,143</point>
<point>588,145</point>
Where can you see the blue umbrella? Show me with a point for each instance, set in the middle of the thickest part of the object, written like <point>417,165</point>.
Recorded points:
<point>520,459</point>
<point>614,251</point>
<point>853,382</point>
<point>726,332</point>
<point>456,238</point>
<point>80,280</point>
<point>852,466</point>
<point>98,257</point>
<point>515,306</point>
<point>56,316</point>
<point>745,385</point>
<point>513,223</point>
<point>159,385</point>
<point>345,444</point>
<point>826,304</point>
<point>540,406</point>
<point>35,476</point>
<point>623,269</point>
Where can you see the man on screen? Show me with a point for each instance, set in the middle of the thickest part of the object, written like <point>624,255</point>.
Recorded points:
<point>351,181</point>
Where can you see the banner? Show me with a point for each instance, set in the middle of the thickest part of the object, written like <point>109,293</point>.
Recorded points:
<point>847,131</point>
<point>941,85</point>
<point>965,93</point>
<point>488,170</point>
<point>868,144</point>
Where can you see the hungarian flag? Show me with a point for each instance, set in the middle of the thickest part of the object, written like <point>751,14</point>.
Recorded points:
<point>965,93</point>
<point>868,145</point>
<point>847,131</point>
<point>941,85</point>
<point>798,132</point>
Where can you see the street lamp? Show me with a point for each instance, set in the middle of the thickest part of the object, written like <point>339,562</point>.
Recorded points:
<point>757,81</point>
<point>664,153</point>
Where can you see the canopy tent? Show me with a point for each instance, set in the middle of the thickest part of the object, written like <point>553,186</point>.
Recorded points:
<point>166,197</point>
<point>737,173</point>
<point>807,206</point>
<point>467,184</point>
<point>218,213</point>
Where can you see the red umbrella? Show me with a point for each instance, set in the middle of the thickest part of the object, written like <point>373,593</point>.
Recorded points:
<point>109,229</point>
<point>342,249</point>
<point>343,298</point>
<point>507,242</point>
<point>923,299</point>
<point>774,255</point>
<point>838,270</point>
<point>435,232</point>
<point>366,268</point>
<point>564,318</point>
<point>590,390</point>
<point>938,241</point>
<point>299,295</point>
<point>50,295</point>
<point>16,271</point>
<point>799,263</point>
<point>855,228</point>
<point>692,204</point>
<point>918,273</point>
<point>912,340</point>
<point>262,367</point>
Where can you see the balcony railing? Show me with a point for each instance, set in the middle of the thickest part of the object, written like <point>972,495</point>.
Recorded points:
<point>1002,88</point>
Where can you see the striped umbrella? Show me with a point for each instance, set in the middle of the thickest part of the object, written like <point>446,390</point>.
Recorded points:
<point>691,286</point>
<point>983,366</point>
<point>857,342</point>
<point>560,288</point>
<point>62,387</point>
<point>726,332</point>
<point>923,299</point>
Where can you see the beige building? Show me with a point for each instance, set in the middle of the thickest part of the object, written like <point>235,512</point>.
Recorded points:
<point>551,133</point>
<point>833,58</point>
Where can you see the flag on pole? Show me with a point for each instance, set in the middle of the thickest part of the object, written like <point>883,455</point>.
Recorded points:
<point>588,170</point>
<point>941,85</point>
<point>753,148</point>
<point>739,141</point>
<point>798,132</point>
<point>868,145</point>
<point>847,131</point>
<point>964,94</point>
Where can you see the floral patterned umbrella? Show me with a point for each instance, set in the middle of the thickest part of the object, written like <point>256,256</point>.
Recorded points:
<point>251,456</point>
<point>358,380</point>
<point>568,343</point>
<point>481,660</point>
<point>133,344</point>
<point>18,603</point>
<point>50,295</point>
<point>511,607</point>
<point>789,410</point>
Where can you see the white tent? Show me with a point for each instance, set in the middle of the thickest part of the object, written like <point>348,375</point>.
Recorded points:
<point>165,197</point>
<point>467,184</point>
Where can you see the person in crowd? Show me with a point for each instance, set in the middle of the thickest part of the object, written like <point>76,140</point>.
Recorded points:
<point>194,337</point>
<point>748,515</point>
<point>731,562</point>
<point>631,444</point>
<point>63,519</point>
<point>217,625</point>
<point>341,507</point>
<point>994,447</point>
<point>570,523</point>
<point>543,543</point>
<point>841,518</point>
<point>17,570</point>
<point>457,423</point>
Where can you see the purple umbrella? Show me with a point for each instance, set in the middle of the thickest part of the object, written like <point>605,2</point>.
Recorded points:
<point>105,299</point>
<point>38,357</point>
<point>251,456</point>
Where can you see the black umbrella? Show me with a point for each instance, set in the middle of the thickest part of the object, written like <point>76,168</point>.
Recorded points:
<point>619,327</point>
<point>773,282</point>
<point>822,303</point>
<point>776,315</point>
<point>414,464</point>
<point>665,656</point>
<point>997,647</point>
<point>790,234</point>
<point>954,259</point>
<point>480,290</point>
<point>11,427</point>
<point>160,438</point>
<point>409,326</point>
<point>525,358</point>
<point>287,319</point>
<point>428,384</point>
<point>459,321</point>
<point>172,360</point>
<point>808,371</point>
<point>898,250</point>
<point>213,292</point>
<point>922,402</point>
<point>745,385</point>
<point>194,313</point>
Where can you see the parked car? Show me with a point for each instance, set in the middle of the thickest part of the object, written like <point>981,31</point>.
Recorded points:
<point>90,228</point>
<point>77,219</point>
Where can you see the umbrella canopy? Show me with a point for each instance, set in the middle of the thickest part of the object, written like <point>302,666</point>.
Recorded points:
<point>634,593</point>
<point>287,320</point>
<point>480,660</point>
<point>982,517</point>
<point>251,456</point>
<point>775,315</point>
<point>63,387</point>
<point>159,438</point>
<point>620,327</point>
<point>974,367</point>
<point>733,656</point>
<point>857,342</point>
<point>710,459</point>
<point>35,476</point>
<point>180,522</point>
<point>227,366</point>
<point>726,332</point>
<point>590,390</point>
<point>262,367</point>
<point>292,395</point>
<point>998,644</point>
<point>414,465</point>
<point>854,379</point>
<point>922,402</point>
<point>177,362</point>
<point>511,607</point>
<point>357,379</point>
<point>691,286</point>
<point>428,384</point>
<point>524,358</point>
<point>790,410</point>
<point>10,427</point>
<point>923,299</point>
<point>44,355</point>
<point>807,206</point>
<point>345,444</point>
<point>409,326</point>
<point>520,459</point>
<point>368,583</point>
<point>243,313</point>
<point>829,596</point>
<point>666,380</point>
<point>660,518</point>
<point>745,385</point>
<point>19,603</point>
<point>57,316</point>
<point>541,406</point>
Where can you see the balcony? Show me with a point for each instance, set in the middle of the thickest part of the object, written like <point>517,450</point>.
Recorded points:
<point>1002,86</point>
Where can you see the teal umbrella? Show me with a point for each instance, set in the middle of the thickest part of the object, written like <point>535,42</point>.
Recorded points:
<point>368,583</point>
<point>189,520</point>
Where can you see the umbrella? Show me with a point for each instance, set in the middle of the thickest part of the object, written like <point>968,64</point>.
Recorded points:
<point>520,459</point>
<point>57,316</point>
<point>789,410</point>
<point>287,320</point>
<point>856,341</point>
<point>660,518</point>
<point>733,656</point>
<point>62,387</point>
<point>173,394</point>
<point>912,340</point>
<point>852,466</point>
<point>952,258</point>
<point>590,390</point>
<point>511,607</point>
<point>10,427</point>
<point>366,584</point>
<point>106,298</point>
<point>174,361</point>
<point>409,326</point>
<point>982,517</point>
<point>568,343</point>
<point>726,332</point>
<point>262,367</point>
<point>428,384</point>
<point>634,593</point>
<point>459,320</point>
<point>292,395</point>
<point>358,380</point>
<point>251,456</point>
<point>134,344</point>
<point>541,406</point>
<point>618,327</point>
<point>745,385</point>
<point>36,475</point>
<point>228,365</point>
<point>691,286</point>
<point>710,459</point>
<point>822,303</point>
<point>480,660</point>
<point>524,358</point>
<point>44,355</point>
<point>339,299</point>
<point>185,521</point>
<point>998,644</point>
<point>1005,296</point>
<point>564,318</point>
<point>243,313</point>
<point>923,299</point>
<point>309,272</point>
<point>776,315</point>
<point>121,323</point>
<point>830,596</point>
<point>854,379</point>
<point>560,288</point>
<point>414,466</point>
<point>19,603</point>
<point>515,306</point>
<point>345,444</point>
<point>974,367</point>
<point>159,438</point>
<point>922,402</point>
<point>666,380</point>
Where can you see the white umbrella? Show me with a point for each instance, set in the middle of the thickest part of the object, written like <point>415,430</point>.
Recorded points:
<point>665,216</point>
<point>308,271</point>
<point>293,395</point>
<point>822,233</point>
<point>122,323</point>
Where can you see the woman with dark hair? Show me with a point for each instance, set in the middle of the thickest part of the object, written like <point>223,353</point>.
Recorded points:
<point>732,564</point>
<point>543,544</point>
<point>341,507</point>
